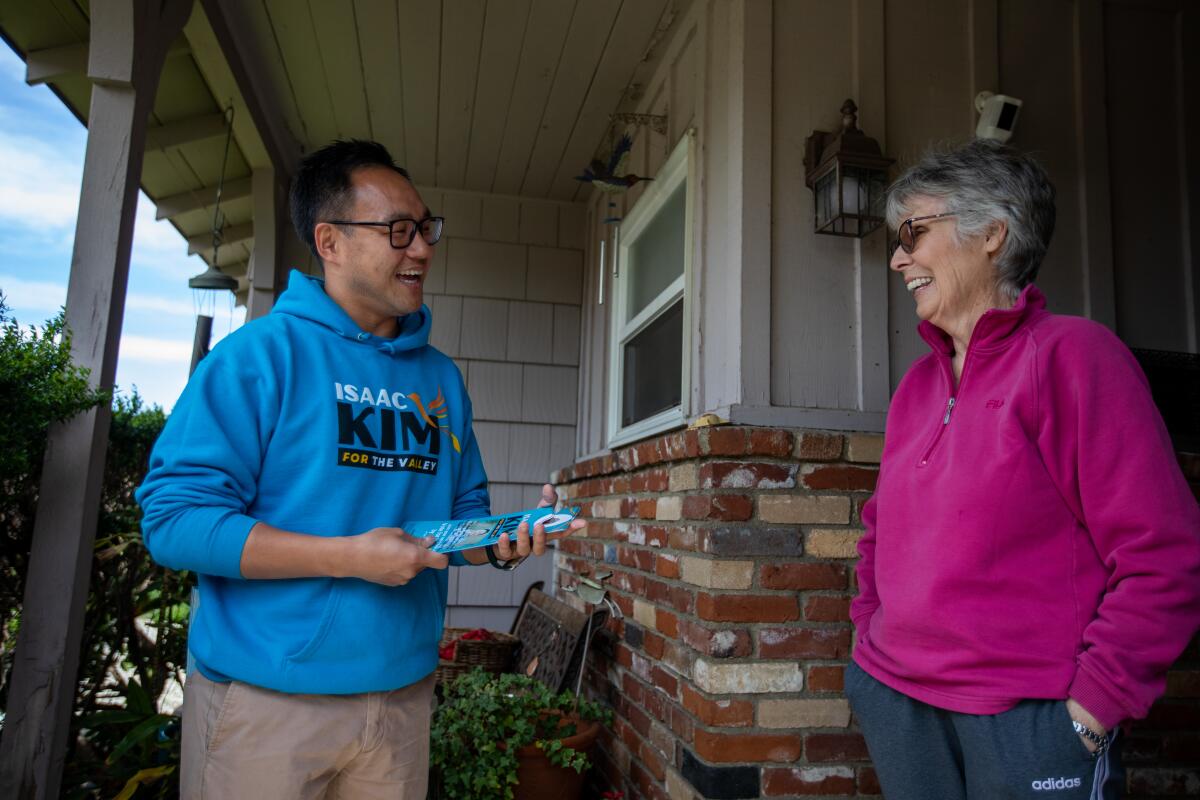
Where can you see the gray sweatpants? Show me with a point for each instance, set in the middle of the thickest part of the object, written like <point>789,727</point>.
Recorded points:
<point>926,753</point>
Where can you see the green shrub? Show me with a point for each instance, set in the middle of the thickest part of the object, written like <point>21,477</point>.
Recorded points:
<point>135,622</point>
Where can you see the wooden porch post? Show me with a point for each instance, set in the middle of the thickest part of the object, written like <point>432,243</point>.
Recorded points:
<point>129,41</point>
<point>266,261</point>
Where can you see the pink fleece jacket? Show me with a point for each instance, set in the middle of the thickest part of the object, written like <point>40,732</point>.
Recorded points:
<point>1031,535</point>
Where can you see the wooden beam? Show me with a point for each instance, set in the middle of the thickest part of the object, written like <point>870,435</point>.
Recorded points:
<point>204,197</point>
<point>247,63</point>
<point>186,131</point>
<point>51,63</point>
<point>234,234</point>
<point>265,273</point>
<point>129,42</point>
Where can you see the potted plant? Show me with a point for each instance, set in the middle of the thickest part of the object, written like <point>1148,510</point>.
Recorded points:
<point>509,736</point>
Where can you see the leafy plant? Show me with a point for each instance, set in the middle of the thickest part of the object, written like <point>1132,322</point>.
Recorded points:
<point>134,638</point>
<point>484,719</point>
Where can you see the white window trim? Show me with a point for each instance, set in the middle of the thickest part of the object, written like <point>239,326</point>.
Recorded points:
<point>679,166</point>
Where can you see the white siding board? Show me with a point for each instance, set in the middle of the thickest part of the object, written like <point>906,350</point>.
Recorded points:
<point>463,213</point>
<point>486,586</point>
<point>539,222</point>
<point>555,275</point>
<point>631,33</point>
<point>300,49</point>
<point>493,446</point>
<point>343,66</point>
<point>529,453</point>
<point>483,324</point>
<point>530,332</point>
<point>586,37</point>
<point>566,335</point>
<point>501,219</point>
<point>504,32</point>
<point>377,35</point>
<point>461,38</point>
<point>493,618</point>
<point>549,394</point>
<point>562,446</point>
<point>496,391</point>
<point>572,225</point>
<point>548,22</point>
<point>447,323</point>
<point>507,498</point>
<point>420,47</point>
<point>485,269</point>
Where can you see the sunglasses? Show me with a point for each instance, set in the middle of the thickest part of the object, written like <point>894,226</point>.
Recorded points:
<point>906,237</point>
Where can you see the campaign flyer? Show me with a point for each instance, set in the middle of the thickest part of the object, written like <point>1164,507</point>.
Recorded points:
<point>464,534</point>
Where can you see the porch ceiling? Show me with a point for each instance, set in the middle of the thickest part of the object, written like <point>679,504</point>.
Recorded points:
<point>497,96</point>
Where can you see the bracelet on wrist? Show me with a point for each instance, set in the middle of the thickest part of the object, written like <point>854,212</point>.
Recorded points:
<point>495,561</point>
<point>1092,736</point>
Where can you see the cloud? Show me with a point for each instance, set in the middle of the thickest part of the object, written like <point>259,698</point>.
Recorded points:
<point>159,351</point>
<point>50,296</point>
<point>39,189</point>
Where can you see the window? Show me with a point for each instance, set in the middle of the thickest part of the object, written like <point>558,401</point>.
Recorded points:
<point>649,352</point>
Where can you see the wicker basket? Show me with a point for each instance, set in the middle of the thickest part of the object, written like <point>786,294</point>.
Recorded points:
<point>492,655</point>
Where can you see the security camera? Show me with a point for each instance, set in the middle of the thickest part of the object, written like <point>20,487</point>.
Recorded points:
<point>997,116</point>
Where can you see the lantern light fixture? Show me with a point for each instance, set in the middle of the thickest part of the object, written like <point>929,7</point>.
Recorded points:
<point>847,172</point>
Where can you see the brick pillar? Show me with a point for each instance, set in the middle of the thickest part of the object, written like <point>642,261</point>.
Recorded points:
<point>732,554</point>
<point>732,551</point>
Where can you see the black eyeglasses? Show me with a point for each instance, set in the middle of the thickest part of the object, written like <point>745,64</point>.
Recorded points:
<point>401,232</point>
<point>906,238</point>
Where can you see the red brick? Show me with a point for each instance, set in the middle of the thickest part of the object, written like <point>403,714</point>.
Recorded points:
<point>682,725</point>
<point>666,623</point>
<point>666,565</point>
<point>624,603</point>
<point>746,475</point>
<point>653,761</point>
<point>731,747</point>
<point>658,705</point>
<point>620,485</point>
<point>804,643</point>
<point>791,781</point>
<point>629,507</point>
<point>696,506</point>
<point>647,508</point>
<point>727,441</point>
<point>646,785</point>
<point>655,535</point>
<point>746,607</point>
<point>644,560</point>
<point>825,747</point>
<point>731,508</point>
<point>653,645</point>
<point>827,608</point>
<point>826,679</point>
<point>723,643</point>
<point>601,529</point>
<point>639,720</point>
<point>718,713</point>
<point>851,479</point>
<point>683,538</point>
<point>803,576</point>
<point>674,447</point>
<point>820,446</point>
<point>632,689</point>
<point>691,443</point>
<point>768,442</point>
<point>665,680</point>
<point>682,600</point>
<point>627,557</point>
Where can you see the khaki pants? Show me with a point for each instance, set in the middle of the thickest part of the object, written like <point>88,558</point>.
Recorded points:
<point>241,741</point>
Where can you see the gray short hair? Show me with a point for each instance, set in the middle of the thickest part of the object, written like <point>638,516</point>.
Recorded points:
<point>984,182</point>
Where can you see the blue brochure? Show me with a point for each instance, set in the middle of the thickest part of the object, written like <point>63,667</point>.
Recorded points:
<point>463,534</point>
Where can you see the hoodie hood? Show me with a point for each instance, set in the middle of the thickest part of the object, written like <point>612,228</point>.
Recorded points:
<point>305,298</point>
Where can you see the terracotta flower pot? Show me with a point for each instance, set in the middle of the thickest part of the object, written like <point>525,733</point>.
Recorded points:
<point>538,779</point>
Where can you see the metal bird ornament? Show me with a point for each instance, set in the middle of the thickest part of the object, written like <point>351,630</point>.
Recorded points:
<point>608,177</point>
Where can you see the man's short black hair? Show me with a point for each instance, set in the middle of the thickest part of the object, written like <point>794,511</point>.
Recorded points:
<point>321,188</point>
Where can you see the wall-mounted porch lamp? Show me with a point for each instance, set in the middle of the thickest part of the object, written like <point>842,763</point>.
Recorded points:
<point>848,174</point>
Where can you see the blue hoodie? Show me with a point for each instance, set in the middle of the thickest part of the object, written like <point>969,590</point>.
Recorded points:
<point>302,420</point>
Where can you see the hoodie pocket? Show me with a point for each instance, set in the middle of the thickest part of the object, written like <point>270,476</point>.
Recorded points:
<point>324,626</point>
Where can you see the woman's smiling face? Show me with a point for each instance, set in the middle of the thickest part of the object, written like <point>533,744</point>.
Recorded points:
<point>950,282</point>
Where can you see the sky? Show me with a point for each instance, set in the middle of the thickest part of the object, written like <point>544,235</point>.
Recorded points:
<point>41,149</point>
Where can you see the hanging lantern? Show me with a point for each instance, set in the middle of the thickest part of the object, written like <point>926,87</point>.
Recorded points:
<point>848,175</point>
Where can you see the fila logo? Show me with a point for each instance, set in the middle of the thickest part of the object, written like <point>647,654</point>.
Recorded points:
<point>1056,784</point>
<point>995,403</point>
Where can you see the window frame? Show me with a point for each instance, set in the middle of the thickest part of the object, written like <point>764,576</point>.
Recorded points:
<point>678,168</point>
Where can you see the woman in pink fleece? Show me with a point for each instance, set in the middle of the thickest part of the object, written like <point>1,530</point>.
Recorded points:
<point>1031,561</point>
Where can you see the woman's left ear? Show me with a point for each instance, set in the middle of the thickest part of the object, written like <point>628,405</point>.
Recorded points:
<point>996,237</point>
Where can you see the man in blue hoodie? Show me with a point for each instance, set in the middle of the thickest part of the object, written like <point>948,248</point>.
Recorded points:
<point>298,446</point>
